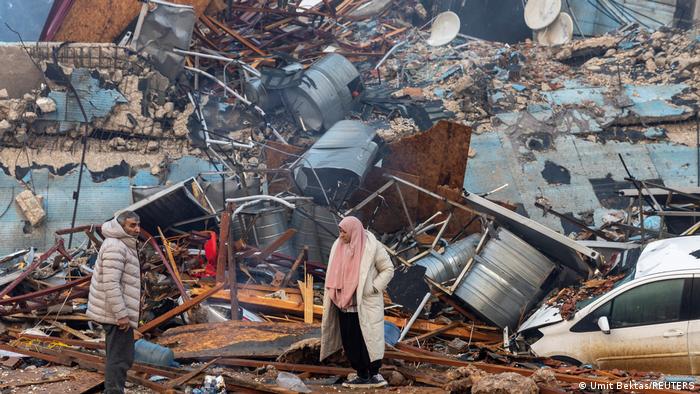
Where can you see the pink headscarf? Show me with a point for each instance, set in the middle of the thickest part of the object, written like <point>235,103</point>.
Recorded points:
<point>344,274</point>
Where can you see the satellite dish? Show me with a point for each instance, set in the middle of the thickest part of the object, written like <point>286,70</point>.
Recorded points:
<point>559,32</point>
<point>444,29</point>
<point>541,13</point>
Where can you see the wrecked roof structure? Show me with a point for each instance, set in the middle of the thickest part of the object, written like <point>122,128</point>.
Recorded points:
<point>516,161</point>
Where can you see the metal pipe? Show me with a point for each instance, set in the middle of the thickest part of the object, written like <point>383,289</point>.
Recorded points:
<point>414,317</point>
<point>246,66</point>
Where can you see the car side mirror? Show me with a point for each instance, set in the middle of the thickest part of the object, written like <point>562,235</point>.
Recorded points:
<point>604,324</point>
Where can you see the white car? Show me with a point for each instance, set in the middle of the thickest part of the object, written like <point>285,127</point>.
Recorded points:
<point>650,320</point>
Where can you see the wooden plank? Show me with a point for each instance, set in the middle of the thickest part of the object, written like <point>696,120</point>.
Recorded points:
<point>222,250</point>
<point>316,369</point>
<point>191,375</point>
<point>71,331</point>
<point>432,333</point>
<point>237,36</point>
<point>178,309</point>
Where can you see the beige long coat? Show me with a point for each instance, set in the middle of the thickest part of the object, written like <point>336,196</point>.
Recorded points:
<point>115,288</point>
<point>376,270</point>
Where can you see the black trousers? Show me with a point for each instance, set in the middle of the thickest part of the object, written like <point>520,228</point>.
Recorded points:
<point>354,345</point>
<point>119,345</point>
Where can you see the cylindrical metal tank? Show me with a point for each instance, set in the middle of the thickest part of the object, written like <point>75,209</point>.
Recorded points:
<point>268,223</point>
<point>341,72</point>
<point>316,101</point>
<point>446,266</point>
<point>310,233</point>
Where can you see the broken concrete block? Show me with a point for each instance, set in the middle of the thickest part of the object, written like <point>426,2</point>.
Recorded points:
<point>46,105</point>
<point>152,146</point>
<point>505,383</point>
<point>31,207</point>
<point>30,117</point>
<point>5,126</point>
<point>3,94</point>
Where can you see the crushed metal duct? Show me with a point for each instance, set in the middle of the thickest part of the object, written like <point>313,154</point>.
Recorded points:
<point>325,94</point>
<point>340,159</point>
<point>448,265</point>
<point>506,278</point>
<point>167,27</point>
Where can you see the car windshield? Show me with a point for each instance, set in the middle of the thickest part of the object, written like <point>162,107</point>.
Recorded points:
<point>583,303</point>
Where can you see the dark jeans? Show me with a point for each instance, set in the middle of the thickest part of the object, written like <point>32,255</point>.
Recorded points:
<point>354,346</point>
<point>119,345</point>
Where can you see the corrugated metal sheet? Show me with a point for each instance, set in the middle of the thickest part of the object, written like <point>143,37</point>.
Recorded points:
<point>97,102</point>
<point>506,277</point>
<point>449,264</point>
<point>594,19</point>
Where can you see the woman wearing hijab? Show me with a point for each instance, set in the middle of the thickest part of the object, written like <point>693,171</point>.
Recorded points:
<point>358,271</point>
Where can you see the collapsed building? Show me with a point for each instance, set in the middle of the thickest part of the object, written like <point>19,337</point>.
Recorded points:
<point>499,178</point>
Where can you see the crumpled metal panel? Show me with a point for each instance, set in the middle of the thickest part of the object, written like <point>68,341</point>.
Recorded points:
<point>341,158</point>
<point>182,201</point>
<point>506,278</point>
<point>167,27</point>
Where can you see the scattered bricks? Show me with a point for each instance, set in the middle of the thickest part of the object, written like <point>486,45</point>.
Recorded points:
<point>31,207</point>
<point>46,105</point>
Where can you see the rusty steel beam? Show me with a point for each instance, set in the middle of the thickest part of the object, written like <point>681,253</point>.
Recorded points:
<point>222,250</point>
<point>179,309</point>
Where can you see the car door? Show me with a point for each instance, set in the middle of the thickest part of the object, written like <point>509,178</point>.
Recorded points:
<point>694,328</point>
<point>648,328</point>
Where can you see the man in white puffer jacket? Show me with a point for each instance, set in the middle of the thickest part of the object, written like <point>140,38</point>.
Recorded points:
<point>115,295</point>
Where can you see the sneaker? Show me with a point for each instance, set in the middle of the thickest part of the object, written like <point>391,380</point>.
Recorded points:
<point>377,381</point>
<point>357,383</point>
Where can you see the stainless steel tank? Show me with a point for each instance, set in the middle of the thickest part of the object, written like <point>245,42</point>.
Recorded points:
<point>341,72</point>
<point>311,233</point>
<point>266,224</point>
<point>446,266</point>
<point>323,97</point>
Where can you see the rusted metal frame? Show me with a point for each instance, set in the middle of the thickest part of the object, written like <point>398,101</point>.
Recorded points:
<point>58,247</point>
<point>179,309</point>
<point>442,231</point>
<point>149,238</point>
<point>239,37</point>
<point>424,356</point>
<point>35,382</point>
<point>44,292</point>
